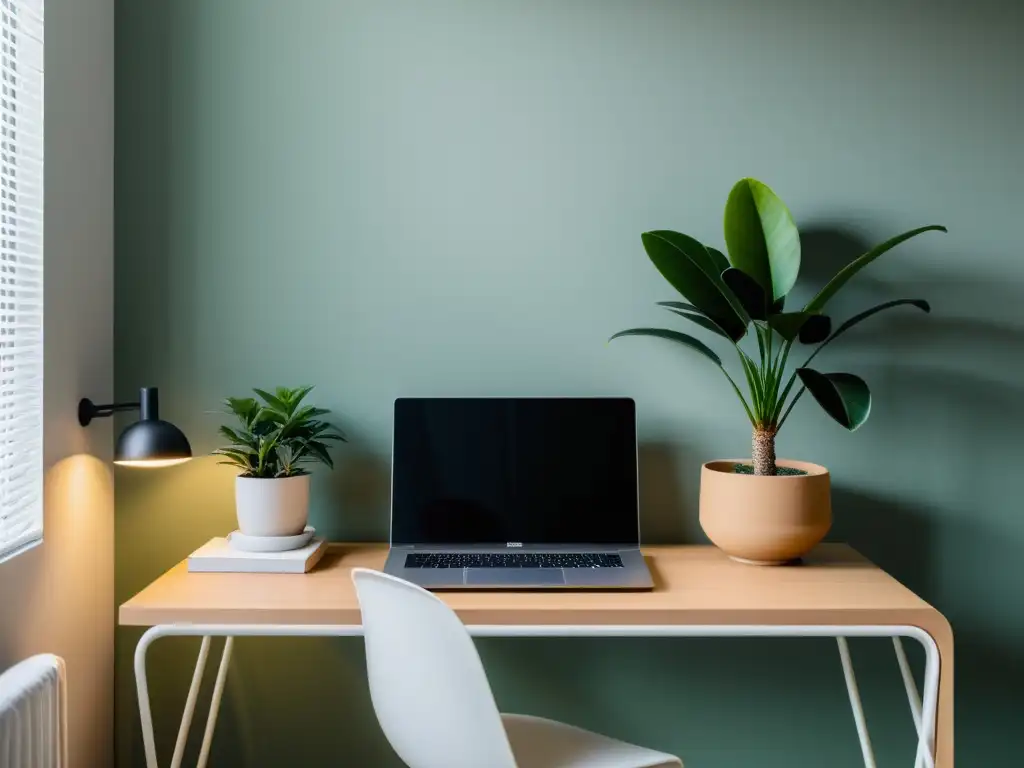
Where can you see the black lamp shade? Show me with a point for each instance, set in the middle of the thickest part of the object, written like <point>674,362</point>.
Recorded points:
<point>152,443</point>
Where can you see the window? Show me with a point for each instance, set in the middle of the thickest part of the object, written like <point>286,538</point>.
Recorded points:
<point>21,274</point>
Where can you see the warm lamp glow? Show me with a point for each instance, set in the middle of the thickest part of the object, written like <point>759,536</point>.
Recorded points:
<point>152,463</point>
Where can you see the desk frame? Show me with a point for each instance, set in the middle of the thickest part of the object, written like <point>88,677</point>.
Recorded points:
<point>924,713</point>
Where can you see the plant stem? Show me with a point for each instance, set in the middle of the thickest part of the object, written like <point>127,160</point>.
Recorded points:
<point>753,381</point>
<point>778,371</point>
<point>792,380</point>
<point>791,404</point>
<point>764,451</point>
<point>739,394</point>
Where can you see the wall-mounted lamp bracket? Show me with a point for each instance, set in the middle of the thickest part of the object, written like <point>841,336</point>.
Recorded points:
<point>88,410</point>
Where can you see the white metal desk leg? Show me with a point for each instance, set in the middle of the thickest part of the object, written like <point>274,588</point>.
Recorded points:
<point>145,710</point>
<point>190,703</point>
<point>218,693</point>
<point>913,697</point>
<point>858,709</point>
<point>929,708</point>
<point>142,691</point>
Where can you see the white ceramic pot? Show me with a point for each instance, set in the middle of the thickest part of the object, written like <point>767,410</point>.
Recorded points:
<point>276,506</point>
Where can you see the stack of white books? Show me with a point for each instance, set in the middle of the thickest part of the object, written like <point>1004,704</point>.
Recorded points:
<point>218,556</point>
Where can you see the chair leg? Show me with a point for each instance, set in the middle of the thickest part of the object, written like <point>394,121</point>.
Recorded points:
<point>858,709</point>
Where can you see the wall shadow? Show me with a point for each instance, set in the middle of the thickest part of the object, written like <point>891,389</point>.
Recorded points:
<point>825,248</point>
<point>664,515</point>
<point>897,535</point>
<point>945,517</point>
<point>953,532</point>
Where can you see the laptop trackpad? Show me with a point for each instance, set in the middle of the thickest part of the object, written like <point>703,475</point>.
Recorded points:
<point>514,577</point>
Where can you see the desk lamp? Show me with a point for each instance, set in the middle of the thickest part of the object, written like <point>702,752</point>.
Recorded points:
<point>149,442</point>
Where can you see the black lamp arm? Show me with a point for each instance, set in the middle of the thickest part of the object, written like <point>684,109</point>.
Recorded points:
<point>88,410</point>
<point>148,405</point>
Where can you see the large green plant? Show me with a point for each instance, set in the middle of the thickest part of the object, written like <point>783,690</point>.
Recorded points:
<point>277,435</point>
<point>729,297</point>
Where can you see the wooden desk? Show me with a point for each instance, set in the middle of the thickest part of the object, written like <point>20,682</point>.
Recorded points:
<point>698,592</point>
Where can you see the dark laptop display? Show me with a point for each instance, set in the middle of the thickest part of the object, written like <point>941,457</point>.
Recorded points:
<point>510,472</point>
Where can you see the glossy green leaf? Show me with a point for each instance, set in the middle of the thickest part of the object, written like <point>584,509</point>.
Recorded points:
<point>233,436</point>
<point>237,455</point>
<point>748,291</point>
<point>268,415</point>
<point>762,238</point>
<point>843,396</point>
<point>816,329</point>
<point>319,450</point>
<point>682,305</point>
<point>245,408</point>
<point>679,338</point>
<point>694,315</point>
<point>295,396</point>
<point>809,328</point>
<point>757,393</point>
<point>272,437</point>
<point>855,266</point>
<point>693,248</point>
<point>703,322</point>
<point>721,263</point>
<point>788,324</point>
<point>306,414</point>
<point>272,400</point>
<point>681,266</point>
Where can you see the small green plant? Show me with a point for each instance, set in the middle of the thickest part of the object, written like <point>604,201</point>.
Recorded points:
<point>727,297</point>
<point>277,434</point>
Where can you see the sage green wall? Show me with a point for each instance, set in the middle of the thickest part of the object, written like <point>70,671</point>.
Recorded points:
<point>387,197</point>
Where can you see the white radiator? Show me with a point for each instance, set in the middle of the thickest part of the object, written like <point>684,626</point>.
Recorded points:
<point>33,714</point>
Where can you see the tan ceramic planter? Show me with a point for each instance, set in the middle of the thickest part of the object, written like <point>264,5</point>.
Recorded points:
<point>765,520</point>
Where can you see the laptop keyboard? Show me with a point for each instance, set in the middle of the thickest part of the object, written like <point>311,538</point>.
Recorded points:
<point>514,560</point>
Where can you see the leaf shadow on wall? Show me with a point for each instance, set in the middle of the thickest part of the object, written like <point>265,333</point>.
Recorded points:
<point>952,387</point>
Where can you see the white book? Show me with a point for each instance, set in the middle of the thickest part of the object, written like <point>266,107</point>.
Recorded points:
<point>218,556</point>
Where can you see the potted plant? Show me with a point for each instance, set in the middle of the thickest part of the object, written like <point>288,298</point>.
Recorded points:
<point>766,511</point>
<point>276,437</point>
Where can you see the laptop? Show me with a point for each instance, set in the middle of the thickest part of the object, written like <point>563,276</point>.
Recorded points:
<point>516,493</point>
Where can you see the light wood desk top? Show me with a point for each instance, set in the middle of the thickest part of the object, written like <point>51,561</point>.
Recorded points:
<point>693,585</point>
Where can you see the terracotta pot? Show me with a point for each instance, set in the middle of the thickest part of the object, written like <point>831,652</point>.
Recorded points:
<point>765,520</point>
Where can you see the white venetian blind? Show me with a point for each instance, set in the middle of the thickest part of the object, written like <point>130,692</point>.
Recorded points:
<point>21,273</point>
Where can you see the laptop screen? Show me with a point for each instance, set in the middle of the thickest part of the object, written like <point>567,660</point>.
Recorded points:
<point>536,471</point>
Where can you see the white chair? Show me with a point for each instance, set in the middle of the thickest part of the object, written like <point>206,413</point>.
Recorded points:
<point>434,703</point>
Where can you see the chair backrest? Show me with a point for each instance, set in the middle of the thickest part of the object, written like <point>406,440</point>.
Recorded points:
<point>33,714</point>
<point>427,684</point>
